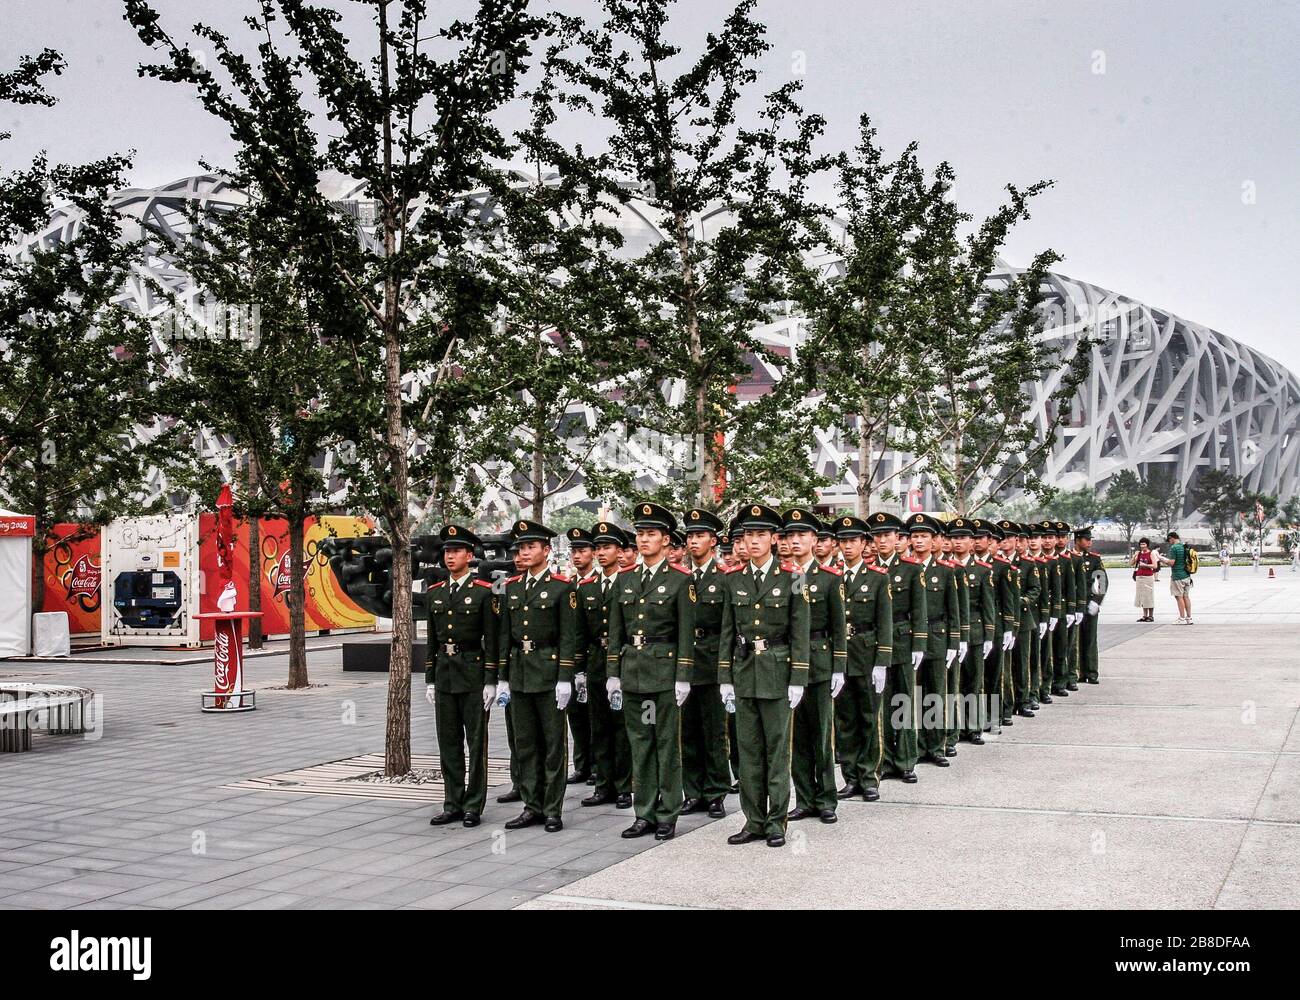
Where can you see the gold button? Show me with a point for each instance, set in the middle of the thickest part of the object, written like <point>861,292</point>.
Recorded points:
<point>757,622</point>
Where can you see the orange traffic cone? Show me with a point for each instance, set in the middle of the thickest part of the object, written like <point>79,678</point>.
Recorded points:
<point>1271,574</point>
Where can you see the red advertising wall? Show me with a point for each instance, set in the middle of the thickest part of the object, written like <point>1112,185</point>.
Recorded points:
<point>72,581</point>
<point>327,606</point>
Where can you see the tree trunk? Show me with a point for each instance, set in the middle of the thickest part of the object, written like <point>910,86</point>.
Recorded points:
<point>538,477</point>
<point>297,595</point>
<point>38,574</point>
<point>255,561</point>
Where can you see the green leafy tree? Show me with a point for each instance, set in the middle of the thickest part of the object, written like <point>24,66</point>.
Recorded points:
<point>1079,507</point>
<point>81,425</point>
<point>1220,496</point>
<point>1167,498</point>
<point>1288,518</point>
<point>1257,513</point>
<point>413,116</point>
<point>1126,502</point>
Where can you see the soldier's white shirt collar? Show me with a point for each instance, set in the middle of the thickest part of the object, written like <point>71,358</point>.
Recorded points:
<point>535,577</point>
<point>805,567</point>
<point>456,581</point>
<point>765,568</point>
<point>702,569</point>
<point>646,567</point>
<point>603,576</point>
<point>855,567</point>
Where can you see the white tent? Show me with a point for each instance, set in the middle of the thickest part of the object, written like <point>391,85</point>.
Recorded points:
<point>16,532</point>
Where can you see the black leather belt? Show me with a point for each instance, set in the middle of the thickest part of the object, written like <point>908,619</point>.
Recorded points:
<point>637,641</point>
<point>760,645</point>
<point>853,630</point>
<point>820,633</point>
<point>900,619</point>
<point>456,648</point>
<point>703,631</point>
<point>529,646</point>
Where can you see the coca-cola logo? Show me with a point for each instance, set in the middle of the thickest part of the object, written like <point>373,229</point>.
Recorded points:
<point>81,582</point>
<point>280,575</point>
<point>221,659</point>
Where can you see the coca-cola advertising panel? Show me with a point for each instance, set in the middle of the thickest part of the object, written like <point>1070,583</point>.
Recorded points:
<point>72,576</point>
<point>326,607</point>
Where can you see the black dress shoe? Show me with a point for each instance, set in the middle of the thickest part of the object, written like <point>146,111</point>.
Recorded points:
<point>554,824</point>
<point>976,740</point>
<point>1026,711</point>
<point>909,777</point>
<point>1060,692</point>
<point>510,796</point>
<point>591,780</point>
<point>716,809</point>
<point>848,791</point>
<point>1046,699</point>
<point>599,799</point>
<point>1072,686</point>
<point>744,837</point>
<point>1034,704</point>
<point>938,760</point>
<point>950,751</point>
<point>1093,680</point>
<point>735,788</point>
<point>472,819</point>
<point>525,818</point>
<point>776,840</point>
<point>693,806</point>
<point>578,778</point>
<point>798,813</point>
<point>665,831</point>
<point>624,801</point>
<point>638,829</point>
<point>828,816</point>
<point>444,817</point>
<point>870,794</point>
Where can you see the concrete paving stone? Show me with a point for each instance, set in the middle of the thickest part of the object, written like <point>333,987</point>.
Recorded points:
<point>148,893</point>
<point>275,901</point>
<point>1281,798</point>
<point>501,899</point>
<point>449,896</point>
<point>34,899</point>
<point>231,900</point>
<point>1266,872</point>
<point>490,874</point>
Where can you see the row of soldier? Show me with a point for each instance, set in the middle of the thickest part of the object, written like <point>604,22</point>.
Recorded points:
<point>775,648</point>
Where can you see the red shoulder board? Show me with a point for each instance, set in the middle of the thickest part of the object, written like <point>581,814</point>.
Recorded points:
<point>482,583</point>
<point>912,559</point>
<point>515,579</point>
<point>440,583</point>
<point>1001,558</point>
<point>981,562</point>
<point>731,569</point>
<point>629,569</point>
<point>950,563</point>
<point>588,579</point>
<point>789,567</point>
<point>832,569</point>
<point>680,568</point>
<point>876,567</point>
<point>560,576</point>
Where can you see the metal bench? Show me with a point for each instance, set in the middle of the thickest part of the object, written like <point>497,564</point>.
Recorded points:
<point>54,708</point>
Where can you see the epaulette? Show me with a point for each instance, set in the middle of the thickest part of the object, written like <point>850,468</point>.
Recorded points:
<point>515,579</point>
<point>981,562</point>
<point>1001,558</point>
<point>587,579</point>
<point>440,583</point>
<point>482,583</point>
<point>831,569</point>
<point>730,569</point>
<point>560,576</point>
<point>680,568</point>
<point>879,569</point>
<point>912,559</point>
<point>628,569</point>
<point>950,563</point>
<point>789,567</point>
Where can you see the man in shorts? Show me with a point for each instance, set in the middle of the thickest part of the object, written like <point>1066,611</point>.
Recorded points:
<point>1180,583</point>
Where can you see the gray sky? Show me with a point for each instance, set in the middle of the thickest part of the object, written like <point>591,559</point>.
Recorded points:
<point>1172,127</point>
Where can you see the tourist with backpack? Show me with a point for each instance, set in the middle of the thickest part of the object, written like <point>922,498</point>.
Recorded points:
<point>1182,560</point>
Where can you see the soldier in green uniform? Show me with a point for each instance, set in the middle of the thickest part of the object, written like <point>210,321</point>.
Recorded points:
<point>813,756</point>
<point>981,604</point>
<point>1043,667</point>
<point>911,637</point>
<point>705,778</point>
<point>1006,585</point>
<point>943,625</point>
<point>1030,637</point>
<point>1095,575</point>
<point>651,661</point>
<point>869,633</point>
<point>763,670</point>
<point>540,632</point>
<point>739,561</point>
<point>952,703</point>
<point>827,548</point>
<point>461,678</point>
<point>1077,589</point>
<point>581,554</point>
<point>611,755</point>
<point>511,794</point>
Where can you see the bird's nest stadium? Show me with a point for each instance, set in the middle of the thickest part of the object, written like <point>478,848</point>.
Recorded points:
<point>1164,392</point>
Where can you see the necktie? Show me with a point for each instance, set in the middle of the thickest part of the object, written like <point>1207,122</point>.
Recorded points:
<point>699,575</point>
<point>645,578</point>
<point>758,578</point>
<point>604,587</point>
<point>848,576</point>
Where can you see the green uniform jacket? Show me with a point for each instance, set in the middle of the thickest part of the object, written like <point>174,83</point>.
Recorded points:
<point>661,616</point>
<point>870,620</point>
<point>709,596</point>
<point>463,651</point>
<point>1081,597</point>
<point>1068,575</point>
<point>540,635</point>
<point>908,589</point>
<point>827,634</point>
<point>593,608</point>
<point>1092,564</point>
<point>1006,587</point>
<point>1031,591</point>
<point>984,621</point>
<point>941,602</point>
<point>1050,602</point>
<point>963,597</point>
<point>777,616</point>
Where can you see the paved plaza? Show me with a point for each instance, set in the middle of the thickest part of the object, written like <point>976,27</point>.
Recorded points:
<point>1175,783</point>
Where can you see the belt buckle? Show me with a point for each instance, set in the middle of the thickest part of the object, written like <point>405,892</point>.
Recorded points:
<point>699,634</point>
<point>604,642</point>
<point>850,629</point>
<point>638,641</point>
<point>527,645</point>
<point>760,645</point>
<point>450,648</point>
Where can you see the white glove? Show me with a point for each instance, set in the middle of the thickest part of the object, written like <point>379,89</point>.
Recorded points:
<point>428,693</point>
<point>613,684</point>
<point>489,696</point>
<point>1051,624</point>
<point>837,685</point>
<point>948,656</point>
<point>962,649</point>
<point>796,695</point>
<point>916,660</point>
<point>1008,640</point>
<point>1093,607</point>
<point>988,647</point>
<point>1078,618</point>
<point>728,692</point>
<point>878,678</point>
<point>681,691</point>
<point>580,681</point>
<point>563,692</point>
<point>1042,628</point>
<point>503,693</point>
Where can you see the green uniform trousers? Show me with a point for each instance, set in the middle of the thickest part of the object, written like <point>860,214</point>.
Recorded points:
<point>542,746</point>
<point>611,757</point>
<point>733,747</point>
<point>1061,653</point>
<point>994,680</point>
<point>1044,667</point>
<point>763,728</point>
<point>704,745</point>
<point>462,724</point>
<point>859,732</point>
<point>510,745</point>
<point>900,712</point>
<point>1088,648</point>
<point>931,695</point>
<point>654,735</point>
<point>580,728</point>
<point>1024,655</point>
<point>812,764</point>
<point>971,718</point>
<point>1072,653</point>
<point>952,703</point>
